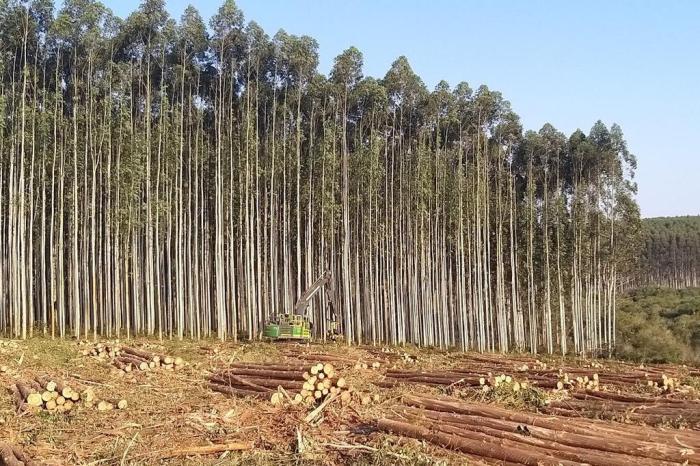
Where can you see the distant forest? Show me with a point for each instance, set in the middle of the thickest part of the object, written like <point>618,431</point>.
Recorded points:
<point>178,178</point>
<point>671,252</point>
<point>659,325</point>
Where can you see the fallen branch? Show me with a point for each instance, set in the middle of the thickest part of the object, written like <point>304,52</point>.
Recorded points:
<point>351,446</point>
<point>313,414</point>
<point>207,449</point>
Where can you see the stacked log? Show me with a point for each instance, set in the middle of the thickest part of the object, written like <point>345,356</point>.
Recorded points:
<point>294,383</point>
<point>12,455</point>
<point>499,435</point>
<point>128,359</point>
<point>44,393</point>
<point>102,351</point>
<point>49,394</point>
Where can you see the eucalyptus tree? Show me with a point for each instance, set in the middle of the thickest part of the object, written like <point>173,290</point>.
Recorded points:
<point>346,73</point>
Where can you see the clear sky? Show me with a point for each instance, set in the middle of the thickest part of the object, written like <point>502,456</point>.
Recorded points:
<point>634,62</point>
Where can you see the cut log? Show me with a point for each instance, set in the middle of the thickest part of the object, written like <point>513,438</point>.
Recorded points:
<point>239,392</point>
<point>484,449</point>
<point>145,355</point>
<point>228,379</point>
<point>265,373</point>
<point>593,449</point>
<point>240,381</point>
<point>7,456</point>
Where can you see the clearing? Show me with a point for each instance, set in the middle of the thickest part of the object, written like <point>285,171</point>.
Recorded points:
<point>209,402</point>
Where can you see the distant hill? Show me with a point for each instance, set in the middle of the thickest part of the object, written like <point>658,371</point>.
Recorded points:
<point>671,253</point>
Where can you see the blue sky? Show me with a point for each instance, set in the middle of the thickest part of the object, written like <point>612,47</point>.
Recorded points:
<point>634,62</point>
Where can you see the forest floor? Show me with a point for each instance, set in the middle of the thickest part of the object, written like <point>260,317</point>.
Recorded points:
<point>171,411</point>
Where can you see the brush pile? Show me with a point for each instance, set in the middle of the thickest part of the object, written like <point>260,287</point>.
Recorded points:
<point>502,383</point>
<point>7,346</point>
<point>293,383</point>
<point>128,359</point>
<point>12,455</point>
<point>496,435</point>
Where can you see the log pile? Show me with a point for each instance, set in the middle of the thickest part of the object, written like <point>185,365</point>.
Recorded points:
<point>12,455</point>
<point>128,359</point>
<point>49,394</point>
<point>46,394</point>
<point>293,383</point>
<point>498,436</point>
<point>102,351</point>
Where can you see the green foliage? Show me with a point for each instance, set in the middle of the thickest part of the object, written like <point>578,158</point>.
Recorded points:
<point>659,325</point>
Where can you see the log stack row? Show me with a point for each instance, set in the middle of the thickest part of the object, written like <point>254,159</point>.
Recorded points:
<point>294,383</point>
<point>12,455</point>
<point>651,410</point>
<point>338,361</point>
<point>570,379</point>
<point>443,378</point>
<point>496,436</point>
<point>606,395</point>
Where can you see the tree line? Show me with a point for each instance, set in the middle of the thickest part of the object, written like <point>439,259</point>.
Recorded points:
<point>671,252</point>
<point>172,178</point>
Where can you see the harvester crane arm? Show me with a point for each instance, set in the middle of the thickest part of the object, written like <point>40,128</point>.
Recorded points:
<point>305,298</point>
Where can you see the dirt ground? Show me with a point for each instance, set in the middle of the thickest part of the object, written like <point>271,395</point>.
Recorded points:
<point>170,410</point>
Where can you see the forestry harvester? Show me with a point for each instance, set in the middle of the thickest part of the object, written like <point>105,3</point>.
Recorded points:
<point>297,325</point>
